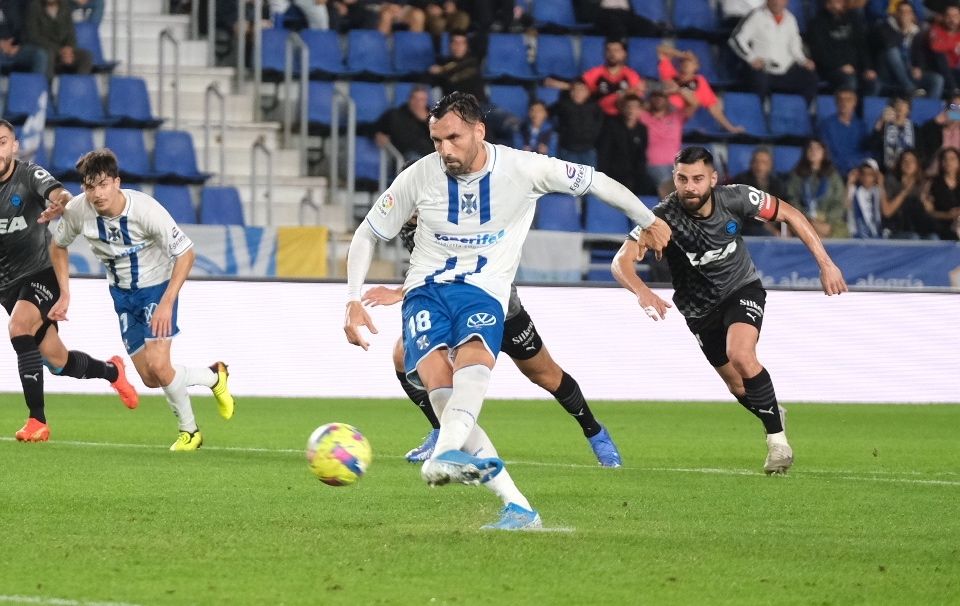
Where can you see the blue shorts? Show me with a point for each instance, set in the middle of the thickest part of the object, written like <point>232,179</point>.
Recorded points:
<point>447,315</point>
<point>135,309</point>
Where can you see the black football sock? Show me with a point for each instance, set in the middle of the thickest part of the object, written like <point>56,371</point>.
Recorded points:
<point>420,398</point>
<point>572,400</point>
<point>761,400</point>
<point>30,366</point>
<point>81,366</point>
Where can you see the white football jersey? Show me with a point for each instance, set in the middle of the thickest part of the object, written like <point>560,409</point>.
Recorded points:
<point>471,228</point>
<point>138,247</point>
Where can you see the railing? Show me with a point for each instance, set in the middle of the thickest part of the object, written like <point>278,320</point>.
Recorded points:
<point>307,203</point>
<point>260,145</point>
<point>338,98</point>
<point>389,150</point>
<point>257,59</point>
<point>294,39</point>
<point>213,90</point>
<point>195,19</point>
<point>211,31</point>
<point>167,35</point>
<point>114,24</point>
<point>241,37</point>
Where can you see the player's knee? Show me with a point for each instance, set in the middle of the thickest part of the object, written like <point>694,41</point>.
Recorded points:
<point>744,362</point>
<point>398,356</point>
<point>547,378</point>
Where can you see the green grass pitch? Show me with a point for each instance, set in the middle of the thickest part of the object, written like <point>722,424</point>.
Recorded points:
<point>105,514</point>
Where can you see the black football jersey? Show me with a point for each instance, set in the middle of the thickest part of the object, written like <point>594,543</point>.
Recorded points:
<point>24,243</point>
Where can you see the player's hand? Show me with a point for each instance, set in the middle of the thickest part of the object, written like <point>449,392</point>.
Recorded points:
<point>832,280</point>
<point>161,322</point>
<point>652,305</point>
<point>357,316</point>
<point>656,237</point>
<point>51,212</point>
<point>381,295</point>
<point>58,313</point>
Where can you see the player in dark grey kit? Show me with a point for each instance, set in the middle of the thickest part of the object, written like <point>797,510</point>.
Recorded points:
<point>717,288</point>
<point>29,288</point>
<point>523,344</point>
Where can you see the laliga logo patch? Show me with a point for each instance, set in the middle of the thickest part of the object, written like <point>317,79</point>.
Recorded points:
<point>732,227</point>
<point>16,200</point>
<point>481,320</point>
<point>385,204</point>
<point>469,204</point>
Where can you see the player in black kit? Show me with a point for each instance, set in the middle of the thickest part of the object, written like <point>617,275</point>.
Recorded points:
<point>716,286</point>
<point>29,288</point>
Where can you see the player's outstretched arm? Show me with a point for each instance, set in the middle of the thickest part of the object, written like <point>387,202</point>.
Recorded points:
<point>58,202</point>
<point>624,269</point>
<point>359,258</point>
<point>831,279</point>
<point>382,295</point>
<point>60,259</point>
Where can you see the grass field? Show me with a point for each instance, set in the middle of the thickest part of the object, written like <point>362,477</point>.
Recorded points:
<point>105,514</point>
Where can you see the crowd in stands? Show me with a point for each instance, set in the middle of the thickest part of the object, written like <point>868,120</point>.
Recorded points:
<point>39,35</point>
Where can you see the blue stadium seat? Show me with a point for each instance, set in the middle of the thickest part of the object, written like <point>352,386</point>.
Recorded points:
<point>603,219</point>
<point>555,14</point>
<point>367,53</point>
<point>653,10</point>
<point>695,16</point>
<point>591,52</point>
<point>872,108</point>
<point>826,106</point>
<point>128,145</point>
<point>555,57</point>
<point>326,56</point>
<point>88,37</point>
<point>789,116</point>
<point>643,56</point>
<point>174,158</point>
<point>69,143</point>
<point>273,54</point>
<point>79,102</point>
<point>74,187</point>
<point>371,100</point>
<point>129,103</point>
<point>23,95</point>
<point>321,105</point>
<point>650,201</point>
<point>925,109</point>
<point>548,95</point>
<point>702,123</point>
<point>600,260</point>
<point>412,53</point>
<point>367,167</point>
<point>799,12</point>
<point>511,98</point>
<point>738,158</point>
<point>746,110</point>
<point>221,206</point>
<point>178,201</point>
<point>557,212</point>
<point>785,157</point>
<point>507,58</point>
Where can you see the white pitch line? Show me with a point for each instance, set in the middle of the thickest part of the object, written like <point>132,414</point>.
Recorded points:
<point>28,599</point>
<point>844,474</point>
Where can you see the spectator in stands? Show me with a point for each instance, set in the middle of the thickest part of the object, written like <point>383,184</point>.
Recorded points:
<point>316,12</point>
<point>761,175</point>
<point>50,26</point>
<point>346,15</point>
<point>906,217</point>
<point>942,131</point>
<point>664,135</point>
<point>687,88</point>
<point>408,14</point>
<point>87,10</point>
<point>904,54</point>
<point>942,195</point>
<point>866,197</point>
<point>460,70</point>
<point>838,44</point>
<point>816,189</point>
<point>844,133</point>
<point>446,16</point>
<point>768,40</point>
<point>406,127</point>
<point>615,18</point>
<point>733,11</point>
<point>945,44</point>
<point>15,56</point>
<point>614,79</point>
<point>579,121</point>
<point>228,28</point>
<point>622,147</point>
<point>893,132</point>
<point>536,134</point>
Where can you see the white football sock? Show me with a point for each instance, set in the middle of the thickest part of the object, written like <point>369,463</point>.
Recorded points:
<point>197,375</point>
<point>179,400</point>
<point>479,445</point>
<point>439,398</point>
<point>460,415</point>
<point>777,438</point>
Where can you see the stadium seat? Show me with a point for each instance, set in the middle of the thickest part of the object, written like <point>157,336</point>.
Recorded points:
<point>367,53</point>
<point>591,52</point>
<point>745,109</point>
<point>557,212</point>
<point>650,201</point>
<point>555,15</point>
<point>548,95</point>
<point>371,100</point>
<point>789,116</point>
<point>23,96</point>
<point>703,124</point>
<point>507,58</point>
<point>511,98</point>
<point>129,103</point>
<point>321,106</point>
<point>79,102</point>
<point>127,144</point>
<point>738,158</point>
<point>925,109</point>
<point>555,57</point>
<point>367,167</point>
<point>799,12</point>
<point>69,143</point>
<point>221,206</point>
<point>785,157</point>
<point>326,56</point>
<point>872,108</point>
<point>600,260</point>
<point>273,42</point>
<point>690,16</point>
<point>602,219</point>
<point>826,107</point>
<point>74,187</point>
<point>88,37</point>
<point>178,201</point>
<point>412,53</point>
<point>174,158</point>
<point>643,56</point>
<point>654,10</point>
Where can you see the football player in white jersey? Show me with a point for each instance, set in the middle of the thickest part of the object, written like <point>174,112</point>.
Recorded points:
<point>148,259</point>
<point>475,203</point>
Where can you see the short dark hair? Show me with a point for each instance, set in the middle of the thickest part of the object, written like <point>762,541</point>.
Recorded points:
<point>7,124</point>
<point>97,162</point>
<point>692,155</point>
<point>615,40</point>
<point>463,105</point>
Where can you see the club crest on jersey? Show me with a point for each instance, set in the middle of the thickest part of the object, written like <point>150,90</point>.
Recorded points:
<point>113,234</point>
<point>481,320</point>
<point>469,204</point>
<point>423,342</point>
<point>16,200</point>
<point>731,227</point>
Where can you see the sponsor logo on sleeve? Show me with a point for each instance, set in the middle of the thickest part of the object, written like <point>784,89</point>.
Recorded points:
<point>576,174</point>
<point>385,204</point>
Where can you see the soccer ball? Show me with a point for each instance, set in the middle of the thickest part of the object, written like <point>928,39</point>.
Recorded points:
<point>338,454</point>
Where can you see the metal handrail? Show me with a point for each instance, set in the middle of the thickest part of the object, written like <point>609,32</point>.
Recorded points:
<point>114,25</point>
<point>129,37</point>
<point>389,150</point>
<point>241,46</point>
<point>261,145</point>
<point>195,20</point>
<point>167,35</point>
<point>213,90</point>
<point>340,97</point>
<point>257,59</point>
<point>306,202</point>
<point>294,39</point>
<point>211,32</point>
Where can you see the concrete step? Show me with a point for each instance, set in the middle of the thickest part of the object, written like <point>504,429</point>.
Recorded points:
<point>146,51</point>
<point>238,108</point>
<point>239,135</point>
<point>193,78</point>
<point>145,25</point>
<point>286,162</point>
<point>153,7</point>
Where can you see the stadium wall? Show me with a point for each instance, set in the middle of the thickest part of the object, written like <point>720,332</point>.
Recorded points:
<point>286,339</point>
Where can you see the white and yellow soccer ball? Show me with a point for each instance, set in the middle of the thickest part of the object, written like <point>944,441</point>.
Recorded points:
<point>338,454</point>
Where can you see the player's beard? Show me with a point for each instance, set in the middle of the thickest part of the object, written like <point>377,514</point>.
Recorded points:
<point>455,166</point>
<point>5,162</point>
<point>695,203</point>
